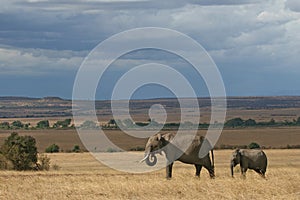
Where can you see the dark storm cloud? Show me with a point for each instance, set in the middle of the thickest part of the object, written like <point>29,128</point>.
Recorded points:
<point>245,38</point>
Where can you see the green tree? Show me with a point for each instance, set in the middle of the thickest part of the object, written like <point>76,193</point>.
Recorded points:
<point>4,125</point>
<point>62,124</point>
<point>17,124</point>
<point>253,145</point>
<point>236,122</point>
<point>250,122</point>
<point>76,149</point>
<point>111,122</point>
<point>53,148</point>
<point>272,122</point>
<point>43,124</point>
<point>21,151</point>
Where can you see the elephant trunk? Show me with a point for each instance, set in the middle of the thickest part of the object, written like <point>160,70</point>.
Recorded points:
<point>150,158</point>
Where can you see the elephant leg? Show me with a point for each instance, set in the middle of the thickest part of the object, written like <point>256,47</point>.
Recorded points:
<point>198,169</point>
<point>169,171</point>
<point>263,173</point>
<point>210,170</point>
<point>243,171</point>
<point>260,172</point>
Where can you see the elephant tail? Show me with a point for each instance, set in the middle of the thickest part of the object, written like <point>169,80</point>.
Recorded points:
<point>212,158</point>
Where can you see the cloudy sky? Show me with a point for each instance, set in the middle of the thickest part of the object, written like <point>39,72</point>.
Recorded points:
<point>255,44</point>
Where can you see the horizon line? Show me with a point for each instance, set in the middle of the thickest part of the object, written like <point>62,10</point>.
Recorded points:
<point>154,98</point>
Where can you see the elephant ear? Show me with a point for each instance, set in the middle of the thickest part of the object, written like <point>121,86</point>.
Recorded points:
<point>241,152</point>
<point>167,137</point>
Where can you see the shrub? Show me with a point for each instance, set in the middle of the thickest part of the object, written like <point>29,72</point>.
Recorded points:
<point>112,150</point>
<point>4,163</point>
<point>76,149</point>
<point>4,125</point>
<point>21,151</point>
<point>17,124</point>
<point>253,145</point>
<point>62,124</point>
<point>236,122</point>
<point>53,148</point>
<point>43,124</point>
<point>44,162</point>
<point>250,122</point>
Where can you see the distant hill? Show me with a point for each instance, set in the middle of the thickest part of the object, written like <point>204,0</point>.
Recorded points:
<point>13,107</point>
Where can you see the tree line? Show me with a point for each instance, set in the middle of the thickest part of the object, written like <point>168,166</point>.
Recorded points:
<point>149,124</point>
<point>43,124</point>
<point>231,123</point>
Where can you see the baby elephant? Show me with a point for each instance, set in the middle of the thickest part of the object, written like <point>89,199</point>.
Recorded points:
<point>254,159</point>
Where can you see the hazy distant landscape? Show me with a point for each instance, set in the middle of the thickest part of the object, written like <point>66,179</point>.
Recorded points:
<point>283,110</point>
<point>258,108</point>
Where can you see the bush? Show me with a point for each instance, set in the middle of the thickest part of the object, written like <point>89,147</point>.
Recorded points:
<point>236,122</point>
<point>21,151</point>
<point>43,124</point>
<point>4,163</point>
<point>62,124</point>
<point>53,148</point>
<point>76,149</point>
<point>44,162</point>
<point>112,150</point>
<point>253,145</point>
<point>4,125</point>
<point>250,122</point>
<point>17,124</point>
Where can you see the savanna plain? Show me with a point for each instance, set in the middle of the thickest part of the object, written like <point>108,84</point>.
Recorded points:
<point>81,176</point>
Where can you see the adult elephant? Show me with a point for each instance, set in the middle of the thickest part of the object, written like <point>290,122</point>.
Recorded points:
<point>164,142</point>
<point>254,159</point>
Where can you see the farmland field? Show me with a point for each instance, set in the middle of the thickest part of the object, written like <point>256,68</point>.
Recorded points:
<point>278,137</point>
<point>82,177</point>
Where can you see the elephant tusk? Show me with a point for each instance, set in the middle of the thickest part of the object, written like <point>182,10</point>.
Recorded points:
<point>144,158</point>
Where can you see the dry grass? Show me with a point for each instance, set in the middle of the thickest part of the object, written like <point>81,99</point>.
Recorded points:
<point>82,177</point>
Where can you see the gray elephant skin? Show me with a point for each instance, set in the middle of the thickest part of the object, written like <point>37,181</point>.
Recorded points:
<point>254,159</point>
<point>164,143</point>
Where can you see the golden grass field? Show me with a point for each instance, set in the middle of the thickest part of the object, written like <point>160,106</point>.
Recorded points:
<point>82,177</point>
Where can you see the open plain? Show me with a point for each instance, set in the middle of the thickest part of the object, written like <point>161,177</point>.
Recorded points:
<point>81,176</point>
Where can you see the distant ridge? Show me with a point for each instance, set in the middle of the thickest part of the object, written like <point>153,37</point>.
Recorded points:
<point>16,98</point>
<point>53,98</point>
<point>20,98</point>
